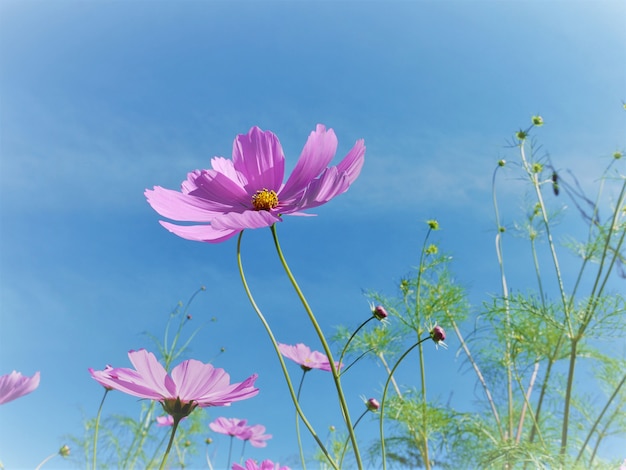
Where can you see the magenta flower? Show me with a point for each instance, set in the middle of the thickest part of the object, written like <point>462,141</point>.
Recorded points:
<point>307,359</point>
<point>372,404</point>
<point>231,427</point>
<point>191,383</point>
<point>248,191</point>
<point>265,465</point>
<point>438,335</point>
<point>15,385</point>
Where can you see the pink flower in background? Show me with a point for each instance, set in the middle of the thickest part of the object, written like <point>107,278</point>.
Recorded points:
<point>167,420</point>
<point>257,436</point>
<point>191,383</point>
<point>248,191</point>
<point>307,359</point>
<point>231,427</point>
<point>15,385</point>
<point>265,465</point>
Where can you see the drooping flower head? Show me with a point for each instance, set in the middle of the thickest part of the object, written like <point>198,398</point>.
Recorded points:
<point>191,383</point>
<point>265,465</point>
<point>15,385</point>
<point>438,335</point>
<point>302,354</point>
<point>248,191</point>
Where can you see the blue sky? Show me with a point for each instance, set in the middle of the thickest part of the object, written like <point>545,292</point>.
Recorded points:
<point>101,100</point>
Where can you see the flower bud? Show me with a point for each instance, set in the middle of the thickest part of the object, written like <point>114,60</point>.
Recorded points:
<point>208,441</point>
<point>64,451</point>
<point>372,404</point>
<point>437,334</point>
<point>433,224</point>
<point>501,162</point>
<point>537,121</point>
<point>379,312</point>
<point>521,135</point>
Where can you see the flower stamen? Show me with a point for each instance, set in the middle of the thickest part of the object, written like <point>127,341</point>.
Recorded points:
<point>264,200</point>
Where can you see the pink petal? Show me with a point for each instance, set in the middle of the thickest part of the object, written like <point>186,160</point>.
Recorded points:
<point>258,155</point>
<point>244,220</point>
<point>221,190</point>
<point>178,206</point>
<point>153,374</point>
<point>225,395</point>
<point>317,153</point>
<point>15,385</point>
<point>353,162</point>
<point>200,233</point>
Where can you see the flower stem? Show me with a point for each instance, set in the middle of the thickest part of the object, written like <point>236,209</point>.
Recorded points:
<point>304,371</point>
<point>320,334</point>
<point>266,325</point>
<point>384,396</point>
<point>95,432</point>
<point>169,444</point>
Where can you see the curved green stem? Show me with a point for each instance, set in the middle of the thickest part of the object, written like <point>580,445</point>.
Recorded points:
<point>279,355</point>
<point>169,444</point>
<point>342,400</point>
<point>384,396</point>
<point>302,459</point>
<point>97,427</point>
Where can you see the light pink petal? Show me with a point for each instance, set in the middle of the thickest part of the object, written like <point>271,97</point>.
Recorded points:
<point>257,436</point>
<point>200,233</point>
<point>194,379</point>
<point>227,168</point>
<point>152,373</point>
<point>247,219</point>
<point>353,162</point>
<point>178,206</point>
<point>258,155</point>
<point>224,395</point>
<point>229,426</point>
<point>16,385</point>
<point>317,153</point>
<point>126,381</point>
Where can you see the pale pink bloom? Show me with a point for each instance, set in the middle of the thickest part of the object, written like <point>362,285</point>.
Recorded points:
<point>191,383</point>
<point>15,385</point>
<point>265,465</point>
<point>307,359</point>
<point>248,191</point>
<point>231,427</point>
<point>257,437</point>
<point>163,421</point>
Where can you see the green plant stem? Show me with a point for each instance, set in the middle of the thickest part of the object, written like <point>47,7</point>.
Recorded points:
<point>47,459</point>
<point>345,444</point>
<point>507,309</point>
<point>481,378</point>
<point>393,380</point>
<point>169,444</point>
<point>424,432</point>
<point>336,379</point>
<point>301,449</point>
<point>97,427</point>
<point>600,416</point>
<point>345,348</point>
<point>384,397</point>
<point>279,355</point>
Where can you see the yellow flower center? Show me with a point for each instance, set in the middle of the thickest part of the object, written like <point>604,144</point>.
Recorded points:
<point>264,200</point>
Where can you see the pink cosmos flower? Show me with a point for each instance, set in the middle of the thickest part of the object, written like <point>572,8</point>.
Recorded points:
<point>231,427</point>
<point>257,436</point>
<point>191,383</point>
<point>248,191</point>
<point>15,385</point>
<point>307,359</point>
<point>265,465</point>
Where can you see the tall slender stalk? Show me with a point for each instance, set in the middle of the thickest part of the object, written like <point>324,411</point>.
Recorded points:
<point>334,370</point>
<point>268,329</point>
